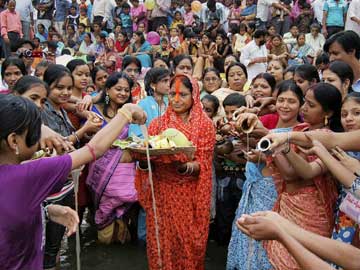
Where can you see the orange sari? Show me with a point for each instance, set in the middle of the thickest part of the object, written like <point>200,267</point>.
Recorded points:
<point>183,202</point>
<point>310,207</point>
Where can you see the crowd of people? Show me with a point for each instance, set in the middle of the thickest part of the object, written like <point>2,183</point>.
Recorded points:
<point>77,75</point>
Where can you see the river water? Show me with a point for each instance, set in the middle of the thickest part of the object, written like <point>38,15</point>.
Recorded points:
<point>95,256</point>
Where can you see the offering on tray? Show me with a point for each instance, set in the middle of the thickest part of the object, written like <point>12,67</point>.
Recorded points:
<point>169,142</point>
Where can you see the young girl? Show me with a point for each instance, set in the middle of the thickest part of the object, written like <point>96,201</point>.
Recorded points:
<point>205,52</point>
<point>61,83</point>
<point>223,48</point>
<point>20,134</point>
<point>99,76</point>
<point>157,85</point>
<point>81,77</point>
<point>305,76</point>
<point>122,43</point>
<point>210,105</point>
<point>12,69</point>
<point>32,88</point>
<point>340,75</point>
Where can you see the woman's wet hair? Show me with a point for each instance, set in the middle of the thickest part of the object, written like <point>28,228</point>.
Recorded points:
<point>13,61</point>
<point>290,85</point>
<point>154,75</point>
<point>308,72</point>
<point>25,83</point>
<point>268,78</point>
<point>329,97</point>
<point>112,80</point>
<point>214,100</point>
<point>237,64</point>
<point>18,115</point>
<point>54,73</point>
<point>75,63</point>
<point>184,80</point>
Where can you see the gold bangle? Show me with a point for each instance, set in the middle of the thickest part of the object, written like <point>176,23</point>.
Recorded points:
<point>126,114</point>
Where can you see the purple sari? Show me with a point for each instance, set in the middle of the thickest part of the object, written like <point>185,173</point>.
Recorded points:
<point>112,185</point>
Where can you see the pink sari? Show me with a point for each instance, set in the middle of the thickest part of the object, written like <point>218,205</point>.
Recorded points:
<point>136,11</point>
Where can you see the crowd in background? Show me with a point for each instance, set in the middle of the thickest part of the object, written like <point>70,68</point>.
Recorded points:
<point>225,73</point>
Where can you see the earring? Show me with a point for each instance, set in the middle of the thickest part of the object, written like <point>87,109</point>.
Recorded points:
<point>326,120</point>
<point>107,99</point>
<point>17,152</point>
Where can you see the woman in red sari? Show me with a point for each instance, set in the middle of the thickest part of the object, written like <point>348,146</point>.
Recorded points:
<point>182,198</point>
<point>307,198</point>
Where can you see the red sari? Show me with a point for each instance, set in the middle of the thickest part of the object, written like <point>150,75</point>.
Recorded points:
<point>183,202</point>
<point>310,207</point>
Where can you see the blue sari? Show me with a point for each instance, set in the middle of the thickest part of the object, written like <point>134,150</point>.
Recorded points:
<point>259,194</point>
<point>144,58</point>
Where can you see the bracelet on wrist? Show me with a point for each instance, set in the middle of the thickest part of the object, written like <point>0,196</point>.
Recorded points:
<point>288,148</point>
<point>76,137</point>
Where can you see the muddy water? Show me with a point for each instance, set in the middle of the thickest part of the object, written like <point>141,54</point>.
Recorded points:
<point>95,256</point>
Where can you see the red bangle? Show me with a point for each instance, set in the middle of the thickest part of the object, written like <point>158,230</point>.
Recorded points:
<point>92,151</point>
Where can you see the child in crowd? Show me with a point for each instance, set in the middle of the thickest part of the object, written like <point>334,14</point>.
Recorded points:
<point>210,105</point>
<point>83,5</point>
<point>322,62</point>
<point>122,44</point>
<point>290,38</point>
<point>235,11</point>
<point>239,40</point>
<point>223,48</point>
<point>188,15</point>
<point>164,50</point>
<point>230,177</point>
<point>72,18</point>
<point>83,19</point>
<point>178,19</point>
<point>126,21</point>
<point>174,42</point>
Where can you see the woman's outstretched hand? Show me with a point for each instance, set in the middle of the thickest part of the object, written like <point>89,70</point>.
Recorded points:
<point>265,225</point>
<point>65,216</point>
<point>137,113</point>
